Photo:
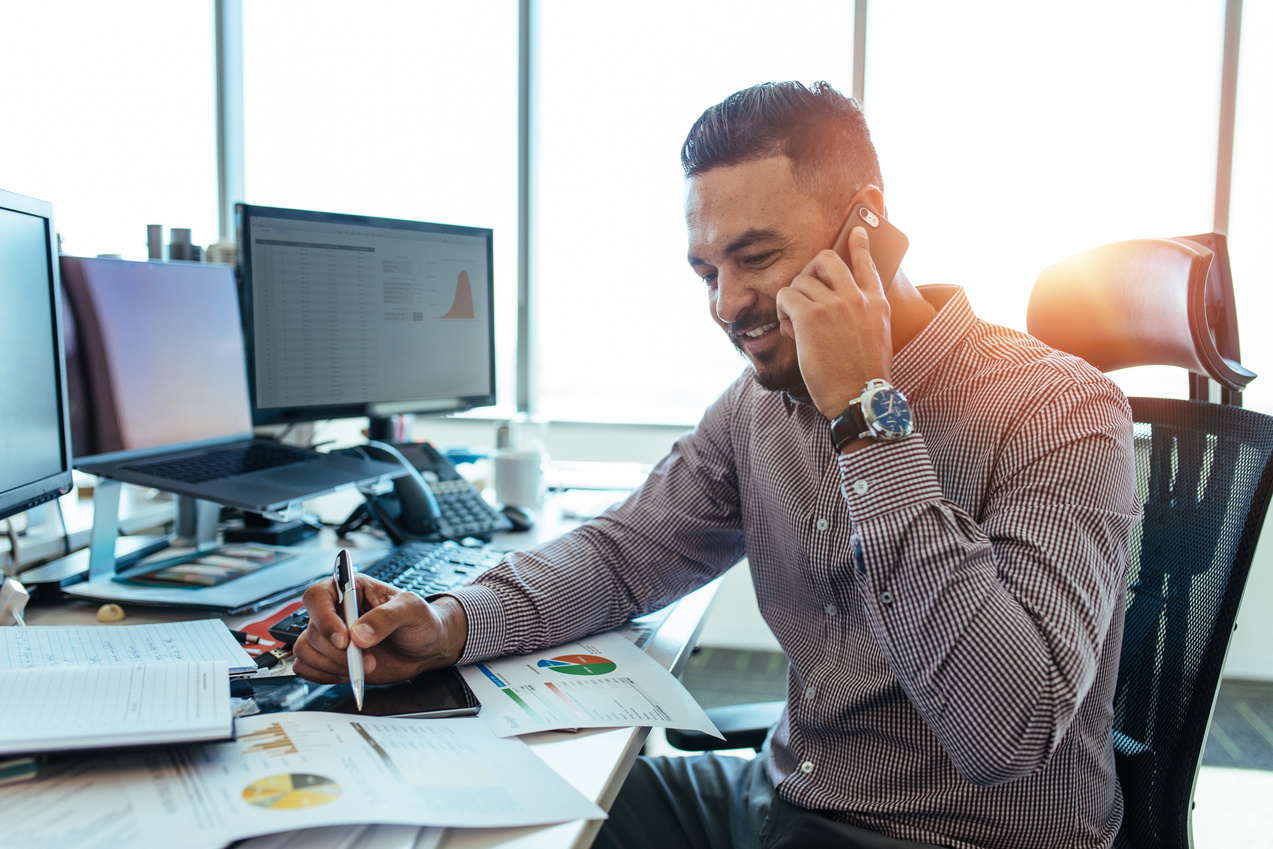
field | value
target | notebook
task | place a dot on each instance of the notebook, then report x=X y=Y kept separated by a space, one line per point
x=159 y=390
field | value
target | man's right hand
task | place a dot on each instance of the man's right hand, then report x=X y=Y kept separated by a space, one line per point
x=400 y=633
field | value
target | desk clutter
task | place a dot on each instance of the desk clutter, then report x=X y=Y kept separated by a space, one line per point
x=184 y=378
x=91 y=712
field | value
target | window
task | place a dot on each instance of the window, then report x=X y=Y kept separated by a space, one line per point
x=623 y=328
x=1250 y=215
x=400 y=110
x=109 y=112
x=1026 y=132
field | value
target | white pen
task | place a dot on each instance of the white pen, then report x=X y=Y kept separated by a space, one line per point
x=347 y=595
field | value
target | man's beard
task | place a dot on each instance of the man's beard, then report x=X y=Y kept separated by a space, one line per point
x=774 y=377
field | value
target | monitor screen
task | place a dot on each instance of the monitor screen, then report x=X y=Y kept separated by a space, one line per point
x=155 y=356
x=35 y=456
x=346 y=315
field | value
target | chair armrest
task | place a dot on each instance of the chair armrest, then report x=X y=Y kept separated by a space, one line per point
x=744 y=726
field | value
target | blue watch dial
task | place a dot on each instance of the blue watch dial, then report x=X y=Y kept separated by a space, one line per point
x=890 y=414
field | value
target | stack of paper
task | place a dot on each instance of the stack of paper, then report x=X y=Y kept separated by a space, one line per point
x=89 y=687
x=291 y=771
x=54 y=709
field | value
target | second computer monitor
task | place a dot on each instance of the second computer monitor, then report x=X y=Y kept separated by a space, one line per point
x=35 y=450
x=346 y=315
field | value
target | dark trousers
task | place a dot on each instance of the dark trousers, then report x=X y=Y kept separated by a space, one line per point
x=713 y=802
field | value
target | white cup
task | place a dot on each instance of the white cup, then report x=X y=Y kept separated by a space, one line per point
x=519 y=478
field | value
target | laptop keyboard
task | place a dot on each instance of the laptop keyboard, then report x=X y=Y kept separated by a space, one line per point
x=421 y=567
x=222 y=463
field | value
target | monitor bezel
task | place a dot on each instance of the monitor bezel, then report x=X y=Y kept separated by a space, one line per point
x=27 y=495
x=243 y=213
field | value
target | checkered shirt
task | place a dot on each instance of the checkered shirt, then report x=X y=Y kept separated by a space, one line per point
x=951 y=604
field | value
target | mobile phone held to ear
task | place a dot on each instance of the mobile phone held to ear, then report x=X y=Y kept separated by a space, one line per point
x=888 y=244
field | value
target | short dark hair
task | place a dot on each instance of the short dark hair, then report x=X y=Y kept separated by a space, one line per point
x=823 y=133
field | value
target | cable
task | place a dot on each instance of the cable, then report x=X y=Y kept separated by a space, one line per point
x=66 y=534
x=14 y=559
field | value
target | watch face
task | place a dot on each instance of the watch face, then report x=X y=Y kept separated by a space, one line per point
x=890 y=415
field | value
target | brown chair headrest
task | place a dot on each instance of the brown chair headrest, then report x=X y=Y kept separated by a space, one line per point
x=1135 y=303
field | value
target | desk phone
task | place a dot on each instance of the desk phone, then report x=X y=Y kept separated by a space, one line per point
x=434 y=503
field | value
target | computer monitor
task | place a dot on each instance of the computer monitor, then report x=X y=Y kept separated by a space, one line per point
x=35 y=437
x=348 y=316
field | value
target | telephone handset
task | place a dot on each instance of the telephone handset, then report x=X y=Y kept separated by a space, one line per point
x=888 y=244
x=413 y=512
x=432 y=502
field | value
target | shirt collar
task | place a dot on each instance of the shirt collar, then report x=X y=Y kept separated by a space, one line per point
x=913 y=365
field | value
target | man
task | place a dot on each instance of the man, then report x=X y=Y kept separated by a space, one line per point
x=950 y=601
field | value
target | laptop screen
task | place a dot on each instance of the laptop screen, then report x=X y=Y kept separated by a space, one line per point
x=158 y=356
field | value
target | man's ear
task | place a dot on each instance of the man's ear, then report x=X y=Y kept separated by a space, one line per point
x=870 y=195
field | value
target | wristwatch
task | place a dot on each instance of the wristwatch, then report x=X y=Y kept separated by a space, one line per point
x=880 y=412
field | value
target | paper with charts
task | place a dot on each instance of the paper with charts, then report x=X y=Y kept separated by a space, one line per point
x=288 y=771
x=598 y=682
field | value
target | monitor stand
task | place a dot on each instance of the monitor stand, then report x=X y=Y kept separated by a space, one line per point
x=108 y=552
x=53 y=576
x=279 y=574
x=254 y=527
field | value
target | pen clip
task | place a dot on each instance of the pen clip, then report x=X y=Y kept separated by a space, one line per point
x=343 y=573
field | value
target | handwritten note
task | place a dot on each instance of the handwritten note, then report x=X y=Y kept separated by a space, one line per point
x=56 y=708
x=37 y=647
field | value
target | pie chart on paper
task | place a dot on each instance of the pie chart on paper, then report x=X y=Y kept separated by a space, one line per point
x=290 y=791
x=579 y=664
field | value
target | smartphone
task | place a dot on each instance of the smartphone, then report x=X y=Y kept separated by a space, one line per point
x=888 y=244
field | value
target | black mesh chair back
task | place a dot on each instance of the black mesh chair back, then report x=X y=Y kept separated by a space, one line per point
x=1204 y=472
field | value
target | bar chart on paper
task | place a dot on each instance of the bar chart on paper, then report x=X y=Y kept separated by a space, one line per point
x=604 y=682
x=271 y=740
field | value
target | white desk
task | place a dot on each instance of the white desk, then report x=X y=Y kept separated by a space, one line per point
x=596 y=762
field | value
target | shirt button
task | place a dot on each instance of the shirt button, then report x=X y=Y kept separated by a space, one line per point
x=810 y=692
x=831 y=610
x=823 y=524
x=861 y=487
x=886 y=597
x=806 y=767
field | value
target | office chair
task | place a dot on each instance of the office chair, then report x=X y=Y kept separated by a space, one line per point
x=1204 y=472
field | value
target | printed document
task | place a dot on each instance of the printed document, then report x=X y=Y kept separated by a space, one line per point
x=290 y=771
x=99 y=645
x=598 y=682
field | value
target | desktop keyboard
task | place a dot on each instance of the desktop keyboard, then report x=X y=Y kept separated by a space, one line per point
x=226 y=462
x=421 y=567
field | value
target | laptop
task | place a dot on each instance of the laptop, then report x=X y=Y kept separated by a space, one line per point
x=159 y=386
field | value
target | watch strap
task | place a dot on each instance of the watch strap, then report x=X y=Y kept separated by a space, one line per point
x=849 y=425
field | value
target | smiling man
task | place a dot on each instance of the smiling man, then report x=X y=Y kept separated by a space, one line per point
x=935 y=513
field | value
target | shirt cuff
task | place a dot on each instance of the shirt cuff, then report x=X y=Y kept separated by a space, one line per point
x=485 y=623
x=886 y=476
